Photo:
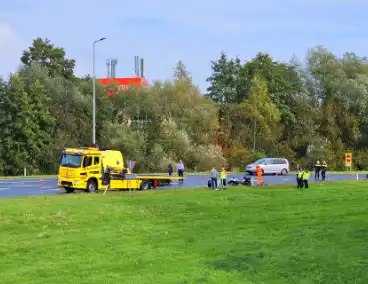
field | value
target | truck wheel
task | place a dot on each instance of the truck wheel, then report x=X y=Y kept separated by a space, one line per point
x=91 y=186
x=145 y=185
x=69 y=189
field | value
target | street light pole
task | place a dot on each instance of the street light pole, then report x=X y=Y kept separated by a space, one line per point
x=94 y=94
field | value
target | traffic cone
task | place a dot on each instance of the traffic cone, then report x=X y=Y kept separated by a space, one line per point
x=41 y=181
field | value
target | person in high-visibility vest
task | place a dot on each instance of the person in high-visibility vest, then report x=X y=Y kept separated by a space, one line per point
x=259 y=175
x=223 y=176
x=305 y=177
x=324 y=170
x=299 y=178
x=317 y=168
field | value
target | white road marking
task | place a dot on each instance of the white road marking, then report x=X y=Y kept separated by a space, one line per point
x=4 y=188
x=24 y=181
x=51 y=189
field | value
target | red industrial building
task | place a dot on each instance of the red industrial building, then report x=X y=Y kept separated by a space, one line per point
x=124 y=83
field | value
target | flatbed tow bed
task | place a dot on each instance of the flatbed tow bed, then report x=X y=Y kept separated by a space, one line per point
x=154 y=181
x=148 y=181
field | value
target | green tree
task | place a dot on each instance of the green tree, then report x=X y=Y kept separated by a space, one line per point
x=17 y=125
x=27 y=122
x=53 y=58
x=3 y=94
x=262 y=107
x=40 y=152
x=262 y=113
x=341 y=100
x=283 y=83
x=181 y=73
x=168 y=121
x=225 y=86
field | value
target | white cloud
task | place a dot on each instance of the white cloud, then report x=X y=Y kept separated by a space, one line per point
x=11 y=47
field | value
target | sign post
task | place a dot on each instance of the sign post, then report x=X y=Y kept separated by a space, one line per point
x=348 y=160
x=131 y=164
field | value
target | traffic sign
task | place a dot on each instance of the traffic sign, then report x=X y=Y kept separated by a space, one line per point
x=348 y=160
x=131 y=164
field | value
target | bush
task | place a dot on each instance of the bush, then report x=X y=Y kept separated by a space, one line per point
x=360 y=160
x=204 y=157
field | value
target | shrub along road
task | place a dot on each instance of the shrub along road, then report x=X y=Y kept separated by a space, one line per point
x=32 y=187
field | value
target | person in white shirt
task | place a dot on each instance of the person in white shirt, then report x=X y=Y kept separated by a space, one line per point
x=180 y=168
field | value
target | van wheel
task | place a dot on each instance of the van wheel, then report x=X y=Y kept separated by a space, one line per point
x=145 y=185
x=91 y=186
x=69 y=189
x=284 y=172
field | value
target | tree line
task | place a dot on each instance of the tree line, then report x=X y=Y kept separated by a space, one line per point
x=301 y=110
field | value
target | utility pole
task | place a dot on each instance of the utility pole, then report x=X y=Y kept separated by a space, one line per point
x=94 y=94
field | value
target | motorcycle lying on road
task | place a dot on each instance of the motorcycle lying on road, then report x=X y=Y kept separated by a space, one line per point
x=247 y=181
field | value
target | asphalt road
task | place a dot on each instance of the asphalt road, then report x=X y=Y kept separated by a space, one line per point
x=32 y=186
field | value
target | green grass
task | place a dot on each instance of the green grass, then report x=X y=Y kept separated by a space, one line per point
x=187 y=173
x=31 y=176
x=55 y=176
x=243 y=235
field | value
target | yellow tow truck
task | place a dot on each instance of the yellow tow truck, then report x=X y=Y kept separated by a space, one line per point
x=83 y=169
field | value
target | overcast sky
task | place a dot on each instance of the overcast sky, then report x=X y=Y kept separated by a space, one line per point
x=164 y=31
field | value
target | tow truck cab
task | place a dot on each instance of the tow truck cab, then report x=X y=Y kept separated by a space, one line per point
x=83 y=169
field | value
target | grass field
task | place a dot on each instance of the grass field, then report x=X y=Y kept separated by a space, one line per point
x=242 y=235
x=187 y=173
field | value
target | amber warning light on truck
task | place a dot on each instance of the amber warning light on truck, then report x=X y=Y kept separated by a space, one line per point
x=114 y=85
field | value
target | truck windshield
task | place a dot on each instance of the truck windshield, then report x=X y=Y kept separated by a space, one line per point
x=68 y=160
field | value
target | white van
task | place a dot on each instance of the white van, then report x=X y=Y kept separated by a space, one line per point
x=270 y=166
